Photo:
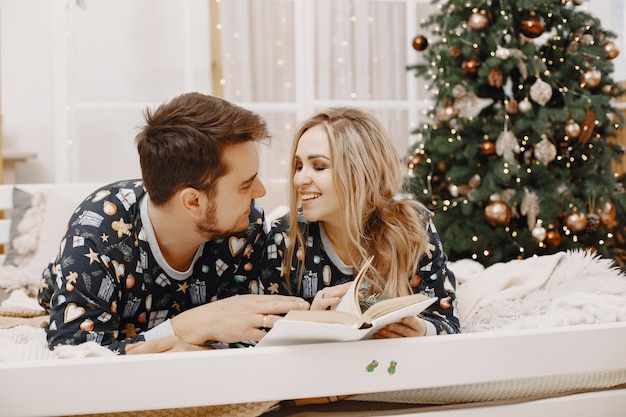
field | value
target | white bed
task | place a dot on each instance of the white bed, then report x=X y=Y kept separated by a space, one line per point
x=544 y=336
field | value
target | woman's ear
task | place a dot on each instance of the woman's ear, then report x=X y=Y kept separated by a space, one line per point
x=191 y=200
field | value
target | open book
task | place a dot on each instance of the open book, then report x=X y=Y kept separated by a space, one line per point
x=346 y=322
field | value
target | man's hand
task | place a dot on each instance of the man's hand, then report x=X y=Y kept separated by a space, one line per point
x=408 y=327
x=164 y=344
x=233 y=319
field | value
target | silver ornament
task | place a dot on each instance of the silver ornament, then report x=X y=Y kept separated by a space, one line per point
x=503 y=53
x=541 y=92
x=525 y=105
x=545 y=151
x=539 y=233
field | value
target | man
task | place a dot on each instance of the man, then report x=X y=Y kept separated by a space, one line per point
x=157 y=260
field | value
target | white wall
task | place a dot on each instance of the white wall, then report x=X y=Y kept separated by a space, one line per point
x=87 y=73
x=75 y=80
x=26 y=55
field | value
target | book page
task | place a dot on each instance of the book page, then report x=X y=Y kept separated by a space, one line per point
x=396 y=315
x=350 y=301
x=390 y=304
x=324 y=316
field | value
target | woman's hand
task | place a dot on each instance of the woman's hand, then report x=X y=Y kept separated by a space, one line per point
x=408 y=327
x=329 y=297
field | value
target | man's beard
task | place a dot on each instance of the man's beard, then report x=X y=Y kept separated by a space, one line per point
x=208 y=229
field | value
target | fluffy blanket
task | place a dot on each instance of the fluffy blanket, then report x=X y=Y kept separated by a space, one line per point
x=566 y=288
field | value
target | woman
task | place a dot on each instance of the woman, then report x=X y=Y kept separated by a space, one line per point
x=345 y=174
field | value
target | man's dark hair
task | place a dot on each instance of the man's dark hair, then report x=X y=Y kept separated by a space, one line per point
x=182 y=143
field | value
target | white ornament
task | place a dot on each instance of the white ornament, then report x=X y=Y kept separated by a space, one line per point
x=507 y=146
x=525 y=105
x=541 y=92
x=458 y=91
x=529 y=207
x=470 y=106
x=503 y=53
x=545 y=151
x=539 y=233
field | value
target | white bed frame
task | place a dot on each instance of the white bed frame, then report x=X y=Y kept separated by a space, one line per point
x=175 y=380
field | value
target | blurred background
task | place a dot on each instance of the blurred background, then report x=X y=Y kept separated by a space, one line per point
x=76 y=75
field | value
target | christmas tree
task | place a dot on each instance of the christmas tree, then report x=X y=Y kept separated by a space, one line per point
x=517 y=156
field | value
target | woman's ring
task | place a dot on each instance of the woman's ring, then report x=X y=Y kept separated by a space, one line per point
x=264 y=322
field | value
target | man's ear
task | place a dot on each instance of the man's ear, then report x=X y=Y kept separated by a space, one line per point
x=191 y=201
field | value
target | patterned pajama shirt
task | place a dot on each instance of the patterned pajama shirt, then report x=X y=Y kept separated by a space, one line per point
x=323 y=268
x=110 y=282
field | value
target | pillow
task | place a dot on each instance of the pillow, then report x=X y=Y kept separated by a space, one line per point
x=22 y=201
x=56 y=214
x=37 y=242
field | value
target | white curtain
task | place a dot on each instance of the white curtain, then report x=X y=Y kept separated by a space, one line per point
x=287 y=59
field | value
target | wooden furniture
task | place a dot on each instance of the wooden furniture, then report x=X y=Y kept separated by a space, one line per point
x=9 y=161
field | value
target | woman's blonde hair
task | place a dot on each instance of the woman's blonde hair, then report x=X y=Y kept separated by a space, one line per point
x=367 y=172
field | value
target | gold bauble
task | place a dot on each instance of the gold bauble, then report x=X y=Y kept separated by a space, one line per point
x=608 y=214
x=497 y=213
x=487 y=147
x=448 y=112
x=478 y=21
x=554 y=238
x=572 y=129
x=470 y=67
x=533 y=25
x=420 y=43
x=611 y=49
x=591 y=78
x=455 y=51
x=609 y=89
x=576 y=222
